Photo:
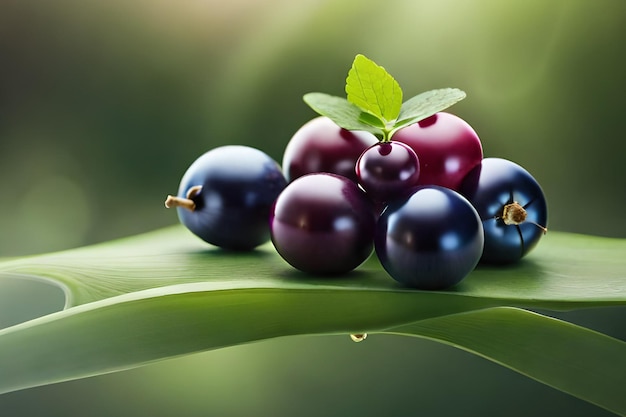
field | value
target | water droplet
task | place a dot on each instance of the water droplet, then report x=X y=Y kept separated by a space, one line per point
x=359 y=337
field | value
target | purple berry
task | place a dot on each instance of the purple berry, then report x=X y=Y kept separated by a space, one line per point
x=324 y=224
x=387 y=170
x=447 y=146
x=322 y=146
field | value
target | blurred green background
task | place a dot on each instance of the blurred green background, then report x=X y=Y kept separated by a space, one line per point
x=103 y=105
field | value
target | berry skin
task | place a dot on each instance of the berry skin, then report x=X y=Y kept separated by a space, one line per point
x=512 y=207
x=324 y=224
x=430 y=240
x=322 y=146
x=447 y=146
x=225 y=196
x=387 y=170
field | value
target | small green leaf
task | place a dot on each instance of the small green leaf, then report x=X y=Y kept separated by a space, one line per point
x=426 y=104
x=342 y=112
x=373 y=89
x=374 y=102
x=371 y=120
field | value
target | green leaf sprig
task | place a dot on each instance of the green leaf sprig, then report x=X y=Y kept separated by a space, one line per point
x=374 y=101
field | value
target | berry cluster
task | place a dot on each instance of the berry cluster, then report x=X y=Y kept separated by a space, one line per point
x=437 y=208
x=406 y=180
x=427 y=201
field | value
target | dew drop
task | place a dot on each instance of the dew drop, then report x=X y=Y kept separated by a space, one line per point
x=359 y=337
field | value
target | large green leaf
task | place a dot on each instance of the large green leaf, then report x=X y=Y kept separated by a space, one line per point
x=564 y=271
x=576 y=360
x=165 y=294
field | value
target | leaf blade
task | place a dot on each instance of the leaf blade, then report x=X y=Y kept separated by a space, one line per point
x=564 y=271
x=370 y=87
x=165 y=294
x=572 y=359
x=139 y=328
x=149 y=327
x=426 y=104
x=345 y=114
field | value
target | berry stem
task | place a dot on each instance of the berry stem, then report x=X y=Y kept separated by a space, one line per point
x=173 y=201
x=386 y=135
x=184 y=202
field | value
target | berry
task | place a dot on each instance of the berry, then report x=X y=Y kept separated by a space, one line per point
x=323 y=223
x=386 y=170
x=225 y=196
x=447 y=146
x=322 y=146
x=512 y=207
x=430 y=240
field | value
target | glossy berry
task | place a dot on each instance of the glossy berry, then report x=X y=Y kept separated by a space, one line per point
x=225 y=196
x=387 y=170
x=323 y=223
x=447 y=146
x=322 y=146
x=512 y=207
x=430 y=240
